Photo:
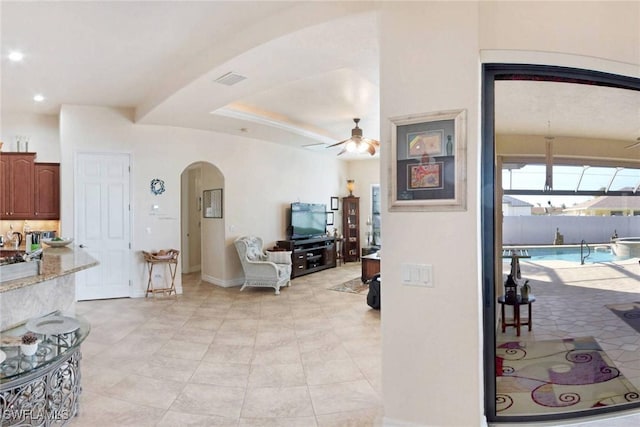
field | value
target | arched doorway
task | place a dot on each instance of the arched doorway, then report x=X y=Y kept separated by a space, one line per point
x=201 y=238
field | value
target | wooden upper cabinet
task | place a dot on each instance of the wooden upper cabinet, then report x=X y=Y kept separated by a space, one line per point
x=46 y=191
x=4 y=186
x=28 y=190
x=17 y=185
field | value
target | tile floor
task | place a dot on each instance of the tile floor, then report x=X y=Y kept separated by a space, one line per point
x=571 y=301
x=221 y=357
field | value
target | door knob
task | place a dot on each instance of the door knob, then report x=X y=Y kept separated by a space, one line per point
x=82 y=246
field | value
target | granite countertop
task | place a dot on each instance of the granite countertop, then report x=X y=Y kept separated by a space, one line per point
x=56 y=262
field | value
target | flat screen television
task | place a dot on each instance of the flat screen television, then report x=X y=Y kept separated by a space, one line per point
x=307 y=220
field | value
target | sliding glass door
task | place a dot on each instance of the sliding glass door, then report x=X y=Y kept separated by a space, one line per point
x=560 y=167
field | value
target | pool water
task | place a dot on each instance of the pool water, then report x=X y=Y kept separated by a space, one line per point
x=570 y=254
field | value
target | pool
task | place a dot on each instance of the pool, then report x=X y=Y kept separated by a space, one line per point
x=599 y=253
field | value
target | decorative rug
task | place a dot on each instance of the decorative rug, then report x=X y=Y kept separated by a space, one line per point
x=354 y=286
x=553 y=376
x=629 y=312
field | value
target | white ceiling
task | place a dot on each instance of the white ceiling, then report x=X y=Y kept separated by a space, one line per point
x=567 y=109
x=310 y=67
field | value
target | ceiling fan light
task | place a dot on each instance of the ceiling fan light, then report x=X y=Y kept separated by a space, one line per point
x=351 y=146
x=362 y=147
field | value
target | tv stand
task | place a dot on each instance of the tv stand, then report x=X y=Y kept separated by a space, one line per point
x=310 y=255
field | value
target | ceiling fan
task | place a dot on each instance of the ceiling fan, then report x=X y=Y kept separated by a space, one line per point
x=358 y=144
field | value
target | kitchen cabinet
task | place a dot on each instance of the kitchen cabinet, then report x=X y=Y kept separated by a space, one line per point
x=46 y=191
x=17 y=180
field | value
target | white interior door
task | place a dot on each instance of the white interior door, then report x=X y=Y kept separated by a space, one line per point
x=103 y=224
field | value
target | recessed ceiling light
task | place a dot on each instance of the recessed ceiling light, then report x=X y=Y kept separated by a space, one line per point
x=16 y=56
x=38 y=98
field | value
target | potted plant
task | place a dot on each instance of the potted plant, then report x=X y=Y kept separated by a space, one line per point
x=29 y=344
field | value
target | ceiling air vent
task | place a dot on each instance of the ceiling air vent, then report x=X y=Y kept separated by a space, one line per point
x=230 y=79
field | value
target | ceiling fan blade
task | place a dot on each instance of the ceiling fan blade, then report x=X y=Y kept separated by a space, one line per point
x=371 y=149
x=338 y=143
x=344 y=150
x=634 y=145
x=372 y=142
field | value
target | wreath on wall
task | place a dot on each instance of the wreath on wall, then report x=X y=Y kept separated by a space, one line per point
x=157 y=186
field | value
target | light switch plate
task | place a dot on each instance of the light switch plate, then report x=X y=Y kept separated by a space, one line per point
x=417 y=275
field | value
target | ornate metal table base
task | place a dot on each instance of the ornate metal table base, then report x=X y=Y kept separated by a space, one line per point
x=48 y=396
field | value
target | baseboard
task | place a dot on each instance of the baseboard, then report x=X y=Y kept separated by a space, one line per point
x=191 y=269
x=390 y=422
x=221 y=282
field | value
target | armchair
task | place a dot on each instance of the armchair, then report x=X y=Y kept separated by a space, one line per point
x=271 y=270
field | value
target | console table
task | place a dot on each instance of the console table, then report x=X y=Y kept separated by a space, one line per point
x=370 y=266
x=310 y=255
x=43 y=389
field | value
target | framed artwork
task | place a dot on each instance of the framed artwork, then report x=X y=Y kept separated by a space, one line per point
x=426 y=142
x=428 y=162
x=329 y=218
x=212 y=203
x=334 y=203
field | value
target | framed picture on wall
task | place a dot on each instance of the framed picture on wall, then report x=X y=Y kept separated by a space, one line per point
x=212 y=203
x=329 y=218
x=428 y=162
x=334 y=203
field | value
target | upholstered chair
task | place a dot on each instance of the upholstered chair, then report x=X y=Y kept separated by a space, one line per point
x=271 y=269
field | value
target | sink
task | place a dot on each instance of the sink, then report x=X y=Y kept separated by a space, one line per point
x=19 y=270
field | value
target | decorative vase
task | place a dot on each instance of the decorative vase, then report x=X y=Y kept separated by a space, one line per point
x=449 y=146
x=526 y=290
x=29 y=349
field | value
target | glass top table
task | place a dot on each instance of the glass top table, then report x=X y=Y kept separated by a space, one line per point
x=51 y=348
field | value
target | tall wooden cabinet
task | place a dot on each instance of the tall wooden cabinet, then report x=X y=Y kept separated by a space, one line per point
x=351 y=228
x=17 y=177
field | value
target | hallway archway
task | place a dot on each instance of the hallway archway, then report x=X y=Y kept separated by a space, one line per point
x=202 y=239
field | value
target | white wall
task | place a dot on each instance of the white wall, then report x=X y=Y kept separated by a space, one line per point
x=260 y=179
x=42 y=130
x=430 y=61
x=213 y=234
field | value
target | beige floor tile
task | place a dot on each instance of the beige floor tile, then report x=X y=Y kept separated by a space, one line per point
x=371 y=417
x=245 y=366
x=277 y=375
x=343 y=397
x=229 y=353
x=332 y=371
x=174 y=419
x=276 y=353
x=222 y=374
x=278 y=422
x=160 y=367
x=182 y=348
x=203 y=399
x=104 y=411
x=277 y=402
x=328 y=351
x=146 y=391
